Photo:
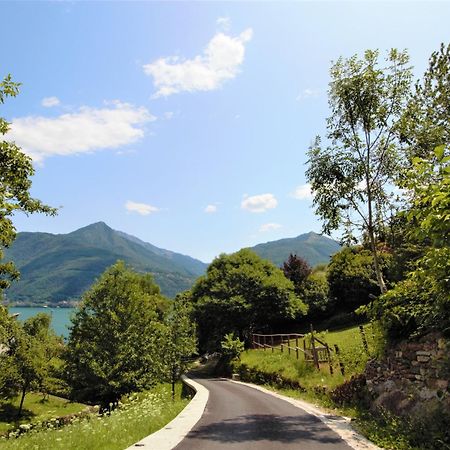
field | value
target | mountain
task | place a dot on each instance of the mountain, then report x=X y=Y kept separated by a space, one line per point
x=58 y=268
x=312 y=247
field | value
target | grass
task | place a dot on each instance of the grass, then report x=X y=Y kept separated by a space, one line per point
x=35 y=409
x=139 y=416
x=352 y=355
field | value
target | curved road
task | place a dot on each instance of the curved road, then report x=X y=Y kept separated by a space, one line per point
x=239 y=417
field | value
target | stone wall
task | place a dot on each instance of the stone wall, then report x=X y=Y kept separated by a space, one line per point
x=413 y=376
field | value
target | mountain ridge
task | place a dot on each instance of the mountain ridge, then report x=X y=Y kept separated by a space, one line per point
x=57 y=268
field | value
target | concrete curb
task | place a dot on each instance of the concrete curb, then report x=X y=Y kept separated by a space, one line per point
x=175 y=431
x=340 y=425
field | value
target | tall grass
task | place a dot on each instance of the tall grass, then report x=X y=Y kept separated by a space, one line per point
x=139 y=416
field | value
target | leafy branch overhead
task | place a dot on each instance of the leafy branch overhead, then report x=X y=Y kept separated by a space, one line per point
x=16 y=169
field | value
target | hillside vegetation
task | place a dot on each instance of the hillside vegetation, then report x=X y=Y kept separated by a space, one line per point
x=59 y=268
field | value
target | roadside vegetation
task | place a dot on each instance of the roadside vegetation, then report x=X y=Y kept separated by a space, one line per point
x=140 y=415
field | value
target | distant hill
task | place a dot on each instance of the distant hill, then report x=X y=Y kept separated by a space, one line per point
x=312 y=247
x=59 y=268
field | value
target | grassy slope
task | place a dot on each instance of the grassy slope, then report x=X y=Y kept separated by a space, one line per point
x=35 y=409
x=352 y=355
x=139 y=417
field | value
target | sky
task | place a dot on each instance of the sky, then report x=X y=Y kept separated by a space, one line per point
x=187 y=124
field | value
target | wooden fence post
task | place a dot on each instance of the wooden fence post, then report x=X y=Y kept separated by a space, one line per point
x=313 y=346
x=296 y=345
x=264 y=342
x=329 y=359
x=341 y=365
x=289 y=344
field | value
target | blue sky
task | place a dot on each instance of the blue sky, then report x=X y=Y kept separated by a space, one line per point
x=187 y=124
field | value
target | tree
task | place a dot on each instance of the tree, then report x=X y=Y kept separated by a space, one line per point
x=9 y=330
x=351 y=277
x=26 y=353
x=117 y=339
x=297 y=270
x=316 y=295
x=181 y=342
x=240 y=293
x=425 y=124
x=16 y=168
x=351 y=177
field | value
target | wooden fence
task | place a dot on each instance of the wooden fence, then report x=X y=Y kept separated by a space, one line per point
x=314 y=351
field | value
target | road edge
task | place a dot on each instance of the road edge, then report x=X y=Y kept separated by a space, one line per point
x=339 y=424
x=176 y=430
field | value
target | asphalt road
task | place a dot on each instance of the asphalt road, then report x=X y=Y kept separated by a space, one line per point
x=239 y=417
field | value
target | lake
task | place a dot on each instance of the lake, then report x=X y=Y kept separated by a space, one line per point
x=60 y=316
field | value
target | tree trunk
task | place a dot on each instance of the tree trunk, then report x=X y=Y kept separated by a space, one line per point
x=373 y=244
x=24 y=391
x=376 y=262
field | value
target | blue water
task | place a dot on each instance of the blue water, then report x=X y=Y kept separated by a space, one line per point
x=60 y=317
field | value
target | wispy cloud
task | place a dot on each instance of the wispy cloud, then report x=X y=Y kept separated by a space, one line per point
x=259 y=203
x=302 y=192
x=210 y=209
x=141 y=208
x=224 y=23
x=85 y=131
x=269 y=227
x=308 y=93
x=48 y=102
x=220 y=61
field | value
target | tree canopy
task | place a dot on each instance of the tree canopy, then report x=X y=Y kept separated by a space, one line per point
x=241 y=293
x=117 y=339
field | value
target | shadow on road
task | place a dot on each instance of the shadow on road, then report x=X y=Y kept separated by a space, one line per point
x=259 y=427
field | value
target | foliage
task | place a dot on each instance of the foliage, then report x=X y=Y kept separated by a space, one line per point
x=297 y=270
x=425 y=124
x=180 y=342
x=352 y=279
x=16 y=168
x=351 y=177
x=231 y=346
x=316 y=295
x=239 y=293
x=421 y=302
x=139 y=415
x=27 y=352
x=117 y=338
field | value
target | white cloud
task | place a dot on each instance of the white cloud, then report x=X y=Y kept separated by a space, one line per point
x=224 y=23
x=219 y=62
x=85 y=131
x=302 y=192
x=259 y=203
x=48 y=102
x=141 y=208
x=169 y=115
x=211 y=209
x=269 y=227
x=308 y=93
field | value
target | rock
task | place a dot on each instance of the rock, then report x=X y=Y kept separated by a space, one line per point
x=427 y=394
